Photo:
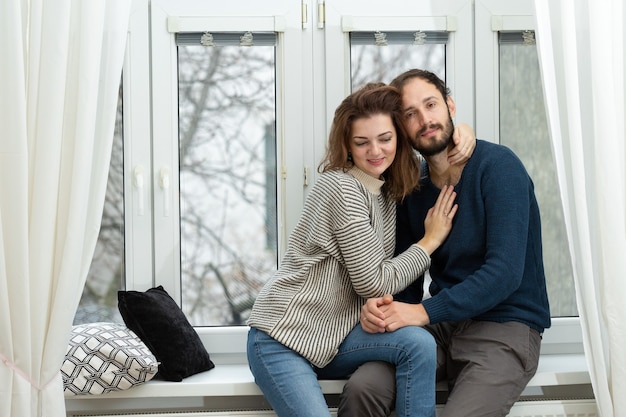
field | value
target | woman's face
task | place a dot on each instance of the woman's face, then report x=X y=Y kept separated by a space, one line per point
x=373 y=144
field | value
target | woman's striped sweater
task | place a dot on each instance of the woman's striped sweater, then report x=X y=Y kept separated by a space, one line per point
x=339 y=254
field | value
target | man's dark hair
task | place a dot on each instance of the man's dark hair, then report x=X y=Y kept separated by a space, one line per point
x=428 y=76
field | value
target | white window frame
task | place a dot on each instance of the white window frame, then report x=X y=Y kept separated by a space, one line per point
x=137 y=136
x=492 y=16
x=168 y=17
x=344 y=16
x=312 y=35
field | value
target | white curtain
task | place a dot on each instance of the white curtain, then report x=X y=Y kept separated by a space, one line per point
x=582 y=48
x=59 y=77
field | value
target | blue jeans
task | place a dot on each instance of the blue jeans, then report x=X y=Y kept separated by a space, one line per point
x=289 y=381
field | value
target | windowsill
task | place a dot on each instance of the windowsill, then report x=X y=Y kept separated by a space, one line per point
x=237 y=380
x=562 y=363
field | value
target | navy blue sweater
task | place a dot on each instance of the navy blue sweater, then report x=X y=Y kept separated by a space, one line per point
x=490 y=267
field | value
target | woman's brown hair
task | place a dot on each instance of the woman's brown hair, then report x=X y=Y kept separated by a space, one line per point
x=403 y=174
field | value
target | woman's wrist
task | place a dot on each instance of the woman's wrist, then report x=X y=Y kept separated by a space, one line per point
x=428 y=244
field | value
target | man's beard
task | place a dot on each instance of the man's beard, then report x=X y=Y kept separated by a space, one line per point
x=439 y=145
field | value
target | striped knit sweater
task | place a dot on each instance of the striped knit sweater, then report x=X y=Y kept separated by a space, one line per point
x=339 y=254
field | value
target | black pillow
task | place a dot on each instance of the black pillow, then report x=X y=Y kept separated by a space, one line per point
x=158 y=321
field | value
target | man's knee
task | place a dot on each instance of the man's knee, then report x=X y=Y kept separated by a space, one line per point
x=370 y=391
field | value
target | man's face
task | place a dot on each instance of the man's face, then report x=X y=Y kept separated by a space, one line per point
x=427 y=116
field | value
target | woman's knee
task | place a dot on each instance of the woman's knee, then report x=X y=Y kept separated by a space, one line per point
x=418 y=342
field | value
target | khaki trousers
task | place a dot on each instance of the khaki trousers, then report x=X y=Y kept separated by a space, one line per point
x=487 y=366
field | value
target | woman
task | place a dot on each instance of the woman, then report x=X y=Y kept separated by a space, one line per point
x=304 y=324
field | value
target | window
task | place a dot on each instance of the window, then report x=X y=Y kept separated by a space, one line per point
x=524 y=129
x=227 y=172
x=106 y=273
x=227 y=108
x=226 y=149
x=379 y=40
x=380 y=56
x=510 y=110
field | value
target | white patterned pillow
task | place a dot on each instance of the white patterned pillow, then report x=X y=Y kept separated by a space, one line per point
x=104 y=357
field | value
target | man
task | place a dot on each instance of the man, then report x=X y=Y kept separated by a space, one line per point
x=488 y=305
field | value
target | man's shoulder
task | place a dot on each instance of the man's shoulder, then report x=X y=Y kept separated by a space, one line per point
x=488 y=148
x=495 y=154
x=498 y=164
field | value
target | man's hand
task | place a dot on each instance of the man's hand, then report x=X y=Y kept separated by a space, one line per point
x=379 y=315
x=398 y=314
x=465 y=141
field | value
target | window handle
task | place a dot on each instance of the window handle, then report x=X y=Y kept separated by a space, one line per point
x=164 y=182
x=139 y=185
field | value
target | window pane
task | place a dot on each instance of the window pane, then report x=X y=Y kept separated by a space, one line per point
x=371 y=59
x=106 y=273
x=227 y=143
x=524 y=129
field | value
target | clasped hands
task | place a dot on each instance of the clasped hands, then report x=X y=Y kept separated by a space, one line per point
x=383 y=314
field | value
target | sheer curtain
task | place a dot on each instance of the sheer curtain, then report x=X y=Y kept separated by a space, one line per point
x=59 y=77
x=582 y=50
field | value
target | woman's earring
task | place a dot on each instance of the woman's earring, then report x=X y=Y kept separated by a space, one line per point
x=349 y=157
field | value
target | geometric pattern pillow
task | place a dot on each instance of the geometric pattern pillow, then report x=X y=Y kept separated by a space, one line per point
x=104 y=357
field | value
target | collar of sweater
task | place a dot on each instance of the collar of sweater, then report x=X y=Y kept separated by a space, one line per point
x=373 y=185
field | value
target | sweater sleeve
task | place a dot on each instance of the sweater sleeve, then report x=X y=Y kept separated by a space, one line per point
x=364 y=242
x=504 y=189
